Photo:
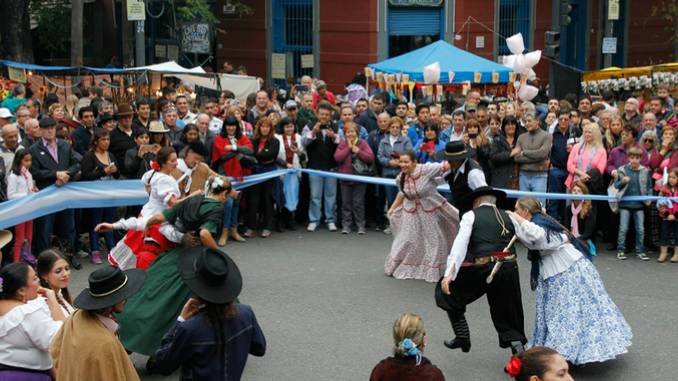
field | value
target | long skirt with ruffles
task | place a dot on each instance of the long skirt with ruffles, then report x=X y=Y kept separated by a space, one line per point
x=576 y=317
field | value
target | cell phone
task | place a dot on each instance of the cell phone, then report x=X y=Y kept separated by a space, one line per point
x=148 y=147
x=302 y=88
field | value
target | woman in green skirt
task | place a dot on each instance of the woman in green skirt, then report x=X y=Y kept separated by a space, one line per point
x=151 y=311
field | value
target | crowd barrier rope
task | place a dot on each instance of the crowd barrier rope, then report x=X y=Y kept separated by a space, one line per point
x=114 y=193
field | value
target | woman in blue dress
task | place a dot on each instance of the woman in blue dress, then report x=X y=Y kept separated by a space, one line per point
x=574 y=313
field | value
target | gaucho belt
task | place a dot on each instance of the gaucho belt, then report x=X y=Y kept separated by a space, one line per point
x=491 y=258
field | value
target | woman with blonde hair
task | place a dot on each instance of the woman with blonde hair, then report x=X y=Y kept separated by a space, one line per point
x=587 y=155
x=408 y=362
x=56 y=111
x=71 y=104
x=613 y=134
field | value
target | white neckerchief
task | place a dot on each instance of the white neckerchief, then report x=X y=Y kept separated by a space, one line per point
x=187 y=174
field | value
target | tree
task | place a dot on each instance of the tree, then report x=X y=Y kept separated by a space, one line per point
x=15 y=31
x=54 y=26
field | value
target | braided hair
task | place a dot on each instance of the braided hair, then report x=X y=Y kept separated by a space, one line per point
x=403 y=176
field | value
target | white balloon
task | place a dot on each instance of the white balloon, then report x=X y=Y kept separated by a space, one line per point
x=516 y=85
x=527 y=93
x=519 y=64
x=432 y=73
x=515 y=44
x=532 y=58
x=508 y=61
x=531 y=75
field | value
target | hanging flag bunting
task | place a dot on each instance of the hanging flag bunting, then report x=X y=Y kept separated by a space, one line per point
x=477 y=77
x=450 y=76
x=495 y=77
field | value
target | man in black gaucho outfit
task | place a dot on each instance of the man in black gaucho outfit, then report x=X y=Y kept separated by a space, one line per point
x=483 y=261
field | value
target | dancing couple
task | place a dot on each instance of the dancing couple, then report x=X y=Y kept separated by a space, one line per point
x=574 y=313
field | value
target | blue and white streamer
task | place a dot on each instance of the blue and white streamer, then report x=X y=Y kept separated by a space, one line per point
x=99 y=194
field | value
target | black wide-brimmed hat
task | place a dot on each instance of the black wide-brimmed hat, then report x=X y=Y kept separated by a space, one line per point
x=455 y=150
x=211 y=275
x=488 y=191
x=109 y=286
x=105 y=117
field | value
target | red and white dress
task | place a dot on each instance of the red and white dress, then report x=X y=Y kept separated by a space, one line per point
x=424 y=228
x=134 y=251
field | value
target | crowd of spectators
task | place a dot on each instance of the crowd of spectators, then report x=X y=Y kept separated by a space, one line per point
x=571 y=145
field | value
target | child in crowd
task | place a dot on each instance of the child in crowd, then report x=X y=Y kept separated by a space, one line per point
x=408 y=362
x=538 y=364
x=20 y=184
x=581 y=214
x=668 y=211
x=637 y=181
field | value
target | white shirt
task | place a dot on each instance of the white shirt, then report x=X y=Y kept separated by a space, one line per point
x=163 y=187
x=460 y=245
x=557 y=254
x=454 y=137
x=26 y=333
x=18 y=186
x=188 y=118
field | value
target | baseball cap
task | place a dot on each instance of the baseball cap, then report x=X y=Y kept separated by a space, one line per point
x=290 y=104
x=4 y=113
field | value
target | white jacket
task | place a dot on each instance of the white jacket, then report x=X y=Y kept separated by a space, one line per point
x=18 y=186
x=296 y=161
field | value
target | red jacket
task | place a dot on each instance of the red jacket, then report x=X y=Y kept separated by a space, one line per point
x=656 y=160
x=231 y=166
x=405 y=369
x=329 y=96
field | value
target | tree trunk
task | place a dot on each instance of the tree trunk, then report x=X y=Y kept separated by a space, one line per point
x=15 y=31
x=77 y=9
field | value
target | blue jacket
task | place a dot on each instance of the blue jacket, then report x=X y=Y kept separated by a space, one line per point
x=423 y=157
x=386 y=150
x=191 y=345
x=415 y=133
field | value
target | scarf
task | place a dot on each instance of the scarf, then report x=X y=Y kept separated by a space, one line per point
x=187 y=174
x=575 y=218
x=553 y=229
x=580 y=157
x=29 y=179
x=289 y=154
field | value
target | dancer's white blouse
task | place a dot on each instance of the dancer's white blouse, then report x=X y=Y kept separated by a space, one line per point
x=163 y=187
x=557 y=255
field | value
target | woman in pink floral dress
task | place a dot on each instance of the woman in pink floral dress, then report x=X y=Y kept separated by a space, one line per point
x=424 y=224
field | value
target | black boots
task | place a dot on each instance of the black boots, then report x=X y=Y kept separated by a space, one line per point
x=461 y=331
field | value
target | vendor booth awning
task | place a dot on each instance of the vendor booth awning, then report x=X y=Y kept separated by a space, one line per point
x=616 y=72
x=240 y=85
x=462 y=64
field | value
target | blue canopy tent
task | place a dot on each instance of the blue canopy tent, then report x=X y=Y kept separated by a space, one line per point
x=451 y=59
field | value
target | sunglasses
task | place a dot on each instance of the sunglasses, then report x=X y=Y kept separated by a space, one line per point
x=648 y=140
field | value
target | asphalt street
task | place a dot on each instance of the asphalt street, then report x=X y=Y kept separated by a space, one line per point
x=327 y=311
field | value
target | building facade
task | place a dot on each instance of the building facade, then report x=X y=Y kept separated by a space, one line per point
x=335 y=40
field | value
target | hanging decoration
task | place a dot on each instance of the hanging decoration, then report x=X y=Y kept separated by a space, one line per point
x=522 y=64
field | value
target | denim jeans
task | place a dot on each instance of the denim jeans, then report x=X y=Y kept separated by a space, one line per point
x=45 y=226
x=231 y=209
x=323 y=191
x=556 y=184
x=638 y=220
x=533 y=183
x=101 y=215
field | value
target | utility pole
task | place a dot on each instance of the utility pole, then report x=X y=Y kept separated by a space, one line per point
x=77 y=8
x=139 y=43
x=555 y=26
x=609 y=26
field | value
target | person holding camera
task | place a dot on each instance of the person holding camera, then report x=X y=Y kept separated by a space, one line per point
x=320 y=142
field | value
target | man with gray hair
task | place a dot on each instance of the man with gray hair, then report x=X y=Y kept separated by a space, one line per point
x=532 y=155
x=32 y=132
x=202 y=120
x=482 y=261
x=631 y=115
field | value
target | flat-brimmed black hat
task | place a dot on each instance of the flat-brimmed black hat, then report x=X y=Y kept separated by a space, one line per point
x=488 y=191
x=47 y=122
x=211 y=275
x=105 y=117
x=455 y=150
x=109 y=286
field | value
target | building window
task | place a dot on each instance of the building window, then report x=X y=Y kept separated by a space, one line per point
x=293 y=34
x=515 y=16
x=411 y=28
